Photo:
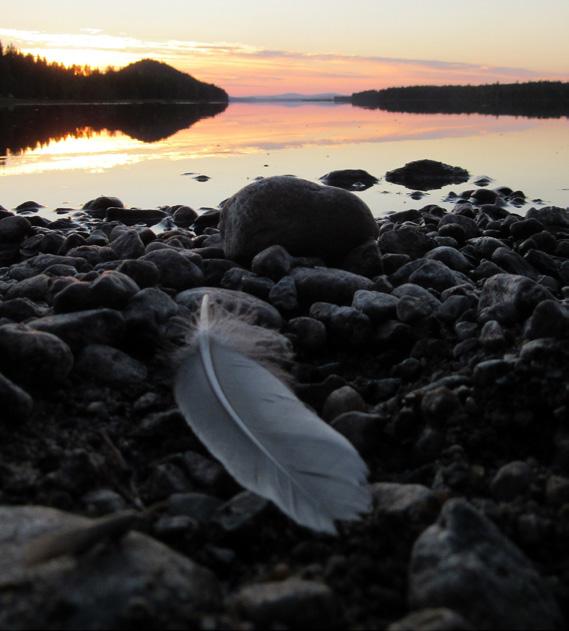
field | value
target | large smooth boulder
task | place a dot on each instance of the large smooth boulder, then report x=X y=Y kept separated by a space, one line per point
x=305 y=218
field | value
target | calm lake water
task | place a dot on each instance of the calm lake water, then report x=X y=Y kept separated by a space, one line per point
x=62 y=156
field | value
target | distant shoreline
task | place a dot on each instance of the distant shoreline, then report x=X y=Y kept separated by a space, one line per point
x=6 y=102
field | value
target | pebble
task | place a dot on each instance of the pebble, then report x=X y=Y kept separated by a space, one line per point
x=345 y=399
x=16 y=403
x=328 y=284
x=510 y=481
x=110 y=366
x=293 y=602
x=413 y=503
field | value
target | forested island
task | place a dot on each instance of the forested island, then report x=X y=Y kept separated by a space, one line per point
x=27 y=77
x=536 y=98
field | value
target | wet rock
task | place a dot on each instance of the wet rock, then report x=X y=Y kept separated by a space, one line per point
x=273 y=262
x=207 y=219
x=16 y=403
x=409 y=502
x=453 y=308
x=364 y=259
x=451 y=257
x=295 y=603
x=113 y=290
x=310 y=334
x=135 y=578
x=557 y=490
x=525 y=228
x=128 y=245
x=20 y=309
x=109 y=366
x=95 y=326
x=432 y=620
x=492 y=336
x=509 y=298
x=425 y=175
x=410 y=289
x=436 y=275
x=439 y=404
x=143 y=273
x=134 y=216
x=328 y=284
x=32 y=356
x=464 y=563
x=102 y=203
x=176 y=270
x=14 y=229
x=303 y=217
x=151 y=304
x=361 y=429
x=488 y=371
x=513 y=263
x=406 y=240
x=350 y=179
x=511 y=480
x=342 y=400
x=377 y=306
x=551 y=217
x=284 y=295
x=240 y=513
x=411 y=309
x=549 y=319
x=262 y=312
x=468 y=225
x=35 y=288
x=184 y=216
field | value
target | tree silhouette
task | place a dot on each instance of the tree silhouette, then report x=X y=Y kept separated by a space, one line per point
x=28 y=77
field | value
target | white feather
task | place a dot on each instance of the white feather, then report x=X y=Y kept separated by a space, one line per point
x=266 y=438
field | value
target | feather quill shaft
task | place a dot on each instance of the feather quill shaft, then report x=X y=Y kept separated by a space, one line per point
x=263 y=434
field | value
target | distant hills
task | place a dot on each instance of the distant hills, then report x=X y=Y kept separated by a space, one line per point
x=535 y=98
x=27 y=77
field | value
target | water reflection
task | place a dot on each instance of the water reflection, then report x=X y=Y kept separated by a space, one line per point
x=26 y=128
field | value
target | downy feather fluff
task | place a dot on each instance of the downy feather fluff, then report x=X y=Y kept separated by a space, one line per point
x=251 y=421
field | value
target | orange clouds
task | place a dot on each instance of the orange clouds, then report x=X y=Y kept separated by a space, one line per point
x=247 y=70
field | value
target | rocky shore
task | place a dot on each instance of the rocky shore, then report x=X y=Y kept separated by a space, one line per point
x=437 y=342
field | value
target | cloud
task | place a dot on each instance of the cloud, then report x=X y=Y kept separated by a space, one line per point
x=236 y=65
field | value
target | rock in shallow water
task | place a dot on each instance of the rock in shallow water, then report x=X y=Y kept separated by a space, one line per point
x=305 y=218
x=425 y=175
x=464 y=563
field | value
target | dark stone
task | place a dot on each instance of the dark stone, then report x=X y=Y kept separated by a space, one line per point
x=143 y=273
x=468 y=225
x=492 y=336
x=134 y=216
x=14 y=229
x=128 y=245
x=511 y=480
x=551 y=217
x=453 y=308
x=262 y=312
x=293 y=603
x=109 y=366
x=451 y=257
x=436 y=275
x=134 y=578
x=151 y=304
x=361 y=429
x=16 y=404
x=207 y=219
x=274 y=262
x=350 y=179
x=464 y=563
x=549 y=319
x=407 y=503
x=513 y=263
x=411 y=309
x=93 y=254
x=410 y=289
x=310 y=334
x=425 y=175
x=406 y=240
x=364 y=259
x=283 y=295
x=508 y=298
x=328 y=284
x=113 y=290
x=102 y=203
x=19 y=309
x=303 y=217
x=376 y=305
x=33 y=357
x=97 y=326
x=184 y=216
x=440 y=619
x=176 y=270
x=488 y=372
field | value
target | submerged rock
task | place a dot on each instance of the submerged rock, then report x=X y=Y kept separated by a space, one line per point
x=350 y=179
x=425 y=175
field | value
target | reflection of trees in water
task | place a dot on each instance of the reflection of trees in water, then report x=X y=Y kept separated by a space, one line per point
x=25 y=128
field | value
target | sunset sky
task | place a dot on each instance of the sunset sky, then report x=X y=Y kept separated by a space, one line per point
x=254 y=47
